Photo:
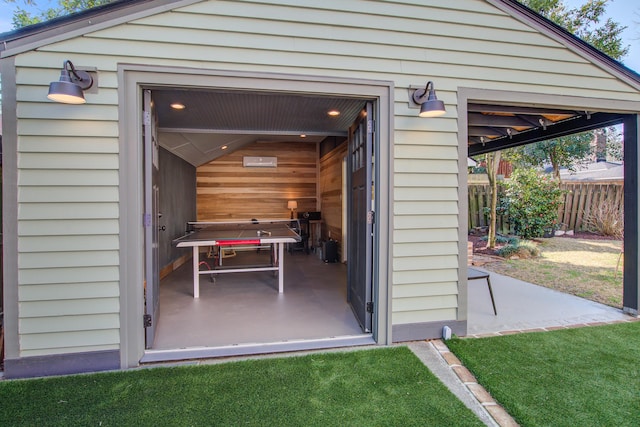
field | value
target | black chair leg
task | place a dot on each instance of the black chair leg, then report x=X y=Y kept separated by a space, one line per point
x=495 y=312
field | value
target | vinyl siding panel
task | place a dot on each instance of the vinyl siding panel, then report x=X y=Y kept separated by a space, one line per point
x=68 y=155
x=50 y=292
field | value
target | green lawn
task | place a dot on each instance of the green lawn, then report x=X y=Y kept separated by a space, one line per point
x=581 y=267
x=576 y=377
x=377 y=387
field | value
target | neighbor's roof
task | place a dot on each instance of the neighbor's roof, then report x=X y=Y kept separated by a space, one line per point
x=119 y=11
x=598 y=171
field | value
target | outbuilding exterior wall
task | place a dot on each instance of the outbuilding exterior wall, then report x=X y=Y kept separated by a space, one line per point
x=67 y=265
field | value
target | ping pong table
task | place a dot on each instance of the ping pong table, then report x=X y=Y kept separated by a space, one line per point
x=230 y=235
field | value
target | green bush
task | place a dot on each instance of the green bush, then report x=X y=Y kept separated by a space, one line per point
x=510 y=240
x=532 y=200
x=523 y=249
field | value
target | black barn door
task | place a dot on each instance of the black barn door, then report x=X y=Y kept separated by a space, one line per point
x=359 y=260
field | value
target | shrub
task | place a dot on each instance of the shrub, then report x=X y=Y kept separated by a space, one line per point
x=522 y=250
x=607 y=218
x=510 y=240
x=532 y=200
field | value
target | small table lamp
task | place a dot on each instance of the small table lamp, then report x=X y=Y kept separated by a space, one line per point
x=292 y=205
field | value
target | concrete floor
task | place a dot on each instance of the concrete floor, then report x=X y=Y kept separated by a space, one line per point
x=246 y=308
x=523 y=306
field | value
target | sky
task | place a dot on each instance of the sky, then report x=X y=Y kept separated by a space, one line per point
x=625 y=12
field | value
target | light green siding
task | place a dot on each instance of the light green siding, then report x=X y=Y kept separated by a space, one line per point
x=68 y=156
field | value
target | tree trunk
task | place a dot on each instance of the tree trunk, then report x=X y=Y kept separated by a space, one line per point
x=493 y=162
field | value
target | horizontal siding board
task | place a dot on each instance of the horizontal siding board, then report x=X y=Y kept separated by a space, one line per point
x=425 y=290
x=76 y=307
x=77 y=177
x=69 y=339
x=425 y=208
x=413 y=165
x=418 y=249
x=61 y=194
x=69 y=323
x=68 y=259
x=67 y=160
x=431 y=152
x=52 y=211
x=41 y=276
x=425 y=194
x=411 y=137
x=67 y=291
x=424 y=303
x=83 y=145
x=426 y=179
x=67 y=243
x=434 y=275
x=424 y=234
x=56 y=111
x=422 y=316
x=417 y=263
x=83 y=128
x=416 y=222
x=67 y=227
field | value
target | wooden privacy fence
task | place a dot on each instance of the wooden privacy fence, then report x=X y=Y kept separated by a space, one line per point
x=580 y=200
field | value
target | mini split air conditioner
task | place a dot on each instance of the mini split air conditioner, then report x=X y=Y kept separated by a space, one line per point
x=259 y=162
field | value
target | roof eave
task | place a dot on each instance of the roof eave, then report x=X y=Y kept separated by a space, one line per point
x=34 y=36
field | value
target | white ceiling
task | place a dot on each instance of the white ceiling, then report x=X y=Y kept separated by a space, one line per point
x=216 y=118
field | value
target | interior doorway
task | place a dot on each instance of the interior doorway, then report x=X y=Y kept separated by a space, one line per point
x=243 y=312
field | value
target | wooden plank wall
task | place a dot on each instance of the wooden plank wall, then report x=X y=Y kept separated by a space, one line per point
x=227 y=191
x=331 y=193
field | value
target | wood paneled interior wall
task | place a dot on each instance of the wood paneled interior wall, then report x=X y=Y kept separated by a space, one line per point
x=331 y=192
x=227 y=191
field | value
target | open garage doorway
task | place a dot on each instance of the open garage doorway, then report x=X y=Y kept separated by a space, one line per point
x=238 y=156
x=493 y=126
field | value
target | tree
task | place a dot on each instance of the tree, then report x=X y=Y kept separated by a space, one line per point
x=22 y=17
x=568 y=151
x=493 y=162
x=585 y=22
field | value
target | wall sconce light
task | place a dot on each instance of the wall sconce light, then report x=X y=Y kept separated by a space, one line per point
x=69 y=89
x=430 y=105
x=292 y=205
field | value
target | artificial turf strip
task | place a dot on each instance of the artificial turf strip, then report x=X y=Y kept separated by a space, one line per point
x=575 y=377
x=384 y=387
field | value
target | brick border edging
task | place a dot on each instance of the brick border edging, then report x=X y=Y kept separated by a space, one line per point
x=497 y=412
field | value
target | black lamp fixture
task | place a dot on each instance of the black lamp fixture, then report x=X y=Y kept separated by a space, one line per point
x=430 y=105
x=69 y=89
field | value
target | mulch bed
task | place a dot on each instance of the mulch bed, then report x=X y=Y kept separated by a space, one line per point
x=480 y=243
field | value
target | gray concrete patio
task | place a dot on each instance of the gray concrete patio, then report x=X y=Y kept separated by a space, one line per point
x=524 y=306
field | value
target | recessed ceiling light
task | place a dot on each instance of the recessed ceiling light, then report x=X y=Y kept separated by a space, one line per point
x=303 y=135
x=333 y=113
x=178 y=106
